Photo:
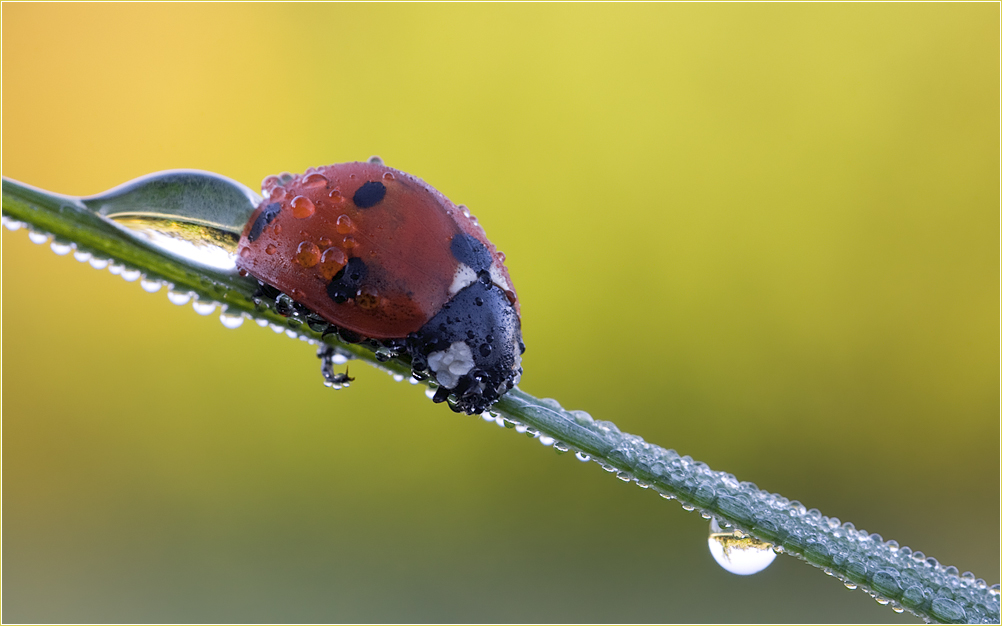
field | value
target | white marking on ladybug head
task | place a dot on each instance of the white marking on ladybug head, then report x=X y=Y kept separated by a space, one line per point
x=497 y=277
x=464 y=277
x=451 y=364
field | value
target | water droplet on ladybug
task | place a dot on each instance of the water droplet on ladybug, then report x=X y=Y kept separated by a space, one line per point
x=388 y=176
x=307 y=254
x=302 y=207
x=344 y=225
x=331 y=262
x=349 y=242
x=315 y=181
x=269 y=182
x=271 y=249
x=335 y=196
x=277 y=194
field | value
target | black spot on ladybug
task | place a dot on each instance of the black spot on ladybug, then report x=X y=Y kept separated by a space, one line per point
x=265 y=217
x=369 y=195
x=468 y=249
x=344 y=286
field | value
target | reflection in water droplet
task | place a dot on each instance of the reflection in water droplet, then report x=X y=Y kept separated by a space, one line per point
x=230 y=320
x=203 y=308
x=581 y=456
x=850 y=585
x=429 y=392
x=37 y=238
x=62 y=249
x=737 y=552
x=179 y=298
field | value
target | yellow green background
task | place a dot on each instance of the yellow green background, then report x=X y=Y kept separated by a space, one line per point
x=764 y=235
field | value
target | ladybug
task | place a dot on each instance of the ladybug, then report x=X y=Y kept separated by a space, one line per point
x=379 y=257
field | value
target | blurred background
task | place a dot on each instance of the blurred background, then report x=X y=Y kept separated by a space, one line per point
x=764 y=235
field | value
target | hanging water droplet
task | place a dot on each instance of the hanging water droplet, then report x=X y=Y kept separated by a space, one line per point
x=521 y=429
x=150 y=286
x=737 y=552
x=10 y=224
x=203 y=308
x=546 y=441
x=99 y=264
x=231 y=320
x=897 y=609
x=60 y=248
x=179 y=298
x=37 y=238
x=131 y=276
x=581 y=456
x=688 y=507
x=82 y=256
x=849 y=585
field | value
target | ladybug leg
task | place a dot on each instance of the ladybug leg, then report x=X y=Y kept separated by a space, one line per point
x=329 y=357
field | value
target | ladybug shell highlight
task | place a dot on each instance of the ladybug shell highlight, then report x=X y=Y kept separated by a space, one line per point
x=380 y=253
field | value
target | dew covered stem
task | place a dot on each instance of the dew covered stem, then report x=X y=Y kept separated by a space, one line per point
x=896 y=576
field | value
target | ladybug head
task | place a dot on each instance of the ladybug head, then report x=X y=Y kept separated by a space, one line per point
x=472 y=346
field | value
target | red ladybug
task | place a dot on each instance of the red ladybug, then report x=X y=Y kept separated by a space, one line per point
x=384 y=258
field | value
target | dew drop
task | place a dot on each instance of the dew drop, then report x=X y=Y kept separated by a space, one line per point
x=203 y=308
x=10 y=224
x=429 y=392
x=331 y=262
x=62 y=249
x=581 y=456
x=150 y=286
x=375 y=160
x=179 y=298
x=388 y=176
x=546 y=441
x=314 y=181
x=897 y=609
x=688 y=507
x=116 y=269
x=344 y=225
x=270 y=249
x=737 y=552
x=307 y=254
x=37 y=238
x=521 y=429
x=229 y=320
x=82 y=256
x=131 y=276
x=302 y=207
x=849 y=585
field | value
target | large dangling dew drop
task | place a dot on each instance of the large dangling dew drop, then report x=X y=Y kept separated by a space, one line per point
x=737 y=552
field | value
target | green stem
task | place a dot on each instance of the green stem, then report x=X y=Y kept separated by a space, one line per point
x=904 y=579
